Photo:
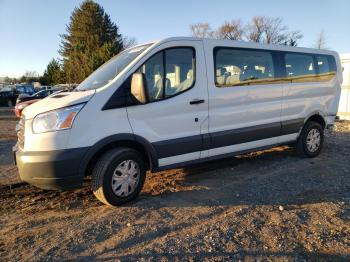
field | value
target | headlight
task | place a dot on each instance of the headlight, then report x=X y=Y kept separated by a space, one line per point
x=56 y=120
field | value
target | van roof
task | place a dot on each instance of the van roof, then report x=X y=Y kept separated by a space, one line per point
x=245 y=44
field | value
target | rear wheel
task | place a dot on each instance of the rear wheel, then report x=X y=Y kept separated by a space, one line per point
x=310 y=141
x=9 y=103
x=118 y=176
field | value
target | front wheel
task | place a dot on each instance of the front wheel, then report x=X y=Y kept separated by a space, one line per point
x=118 y=176
x=310 y=141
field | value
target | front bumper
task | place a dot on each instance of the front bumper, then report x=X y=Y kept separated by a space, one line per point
x=58 y=170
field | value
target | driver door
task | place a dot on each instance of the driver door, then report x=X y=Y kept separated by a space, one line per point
x=176 y=115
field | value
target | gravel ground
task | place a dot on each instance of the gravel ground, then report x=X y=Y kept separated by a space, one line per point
x=269 y=205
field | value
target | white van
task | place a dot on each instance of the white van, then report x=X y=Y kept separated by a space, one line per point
x=176 y=102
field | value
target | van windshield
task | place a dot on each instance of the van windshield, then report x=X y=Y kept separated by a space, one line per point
x=109 y=70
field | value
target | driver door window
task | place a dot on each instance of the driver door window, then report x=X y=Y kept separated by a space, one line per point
x=169 y=73
x=153 y=71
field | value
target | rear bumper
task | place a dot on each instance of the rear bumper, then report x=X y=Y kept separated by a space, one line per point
x=329 y=128
x=58 y=170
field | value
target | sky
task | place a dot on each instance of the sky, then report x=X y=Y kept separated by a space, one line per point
x=30 y=29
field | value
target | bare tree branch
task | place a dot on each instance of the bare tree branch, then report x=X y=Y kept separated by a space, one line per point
x=232 y=30
x=293 y=38
x=255 y=29
x=268 y=30
x=275 y=31
x=271 y=30
x=201 y=30
x=321 y=42
x=129 y=42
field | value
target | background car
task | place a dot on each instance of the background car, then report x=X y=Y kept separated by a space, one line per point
x=39 y=95
x=9 y=94
x=6 y=96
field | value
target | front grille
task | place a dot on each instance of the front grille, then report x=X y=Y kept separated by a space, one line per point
x=20 y=132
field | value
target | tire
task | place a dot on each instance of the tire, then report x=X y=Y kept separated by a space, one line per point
x=117 y=167
x=9 y=103
x=308 y=145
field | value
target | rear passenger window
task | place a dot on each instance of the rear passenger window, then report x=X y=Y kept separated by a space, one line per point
x=234 y=67
x=169 y=72
x=300 y=68
x=326 y=67
x=323 y=66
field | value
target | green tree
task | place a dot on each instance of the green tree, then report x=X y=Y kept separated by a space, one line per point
x=53 y=73
x=91 y=39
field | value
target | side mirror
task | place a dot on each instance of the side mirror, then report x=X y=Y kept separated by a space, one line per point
x=138 y=89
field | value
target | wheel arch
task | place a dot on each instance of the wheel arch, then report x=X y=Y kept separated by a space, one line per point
x=138 y=143
x=318 y=117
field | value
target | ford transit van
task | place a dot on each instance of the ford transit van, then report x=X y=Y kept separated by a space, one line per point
x=173 y=103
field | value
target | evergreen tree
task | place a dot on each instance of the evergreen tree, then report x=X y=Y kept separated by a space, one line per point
x=91 y=39
x=53 y=73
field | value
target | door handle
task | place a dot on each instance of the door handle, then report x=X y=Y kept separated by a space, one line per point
x=196 y=101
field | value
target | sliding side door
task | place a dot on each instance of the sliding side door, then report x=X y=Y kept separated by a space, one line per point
x=245 y=99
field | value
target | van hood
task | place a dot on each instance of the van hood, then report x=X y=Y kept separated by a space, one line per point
x=57 y=101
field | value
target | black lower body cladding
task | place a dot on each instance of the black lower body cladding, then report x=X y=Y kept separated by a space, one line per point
x=51 y=169
x=197 y=143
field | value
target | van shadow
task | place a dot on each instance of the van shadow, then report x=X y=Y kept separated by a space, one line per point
x=271 y=177
x=242 y=255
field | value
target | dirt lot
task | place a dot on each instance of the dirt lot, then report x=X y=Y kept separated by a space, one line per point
x=268 y=205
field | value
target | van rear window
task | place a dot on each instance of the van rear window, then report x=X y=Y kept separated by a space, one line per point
x=300 y=67
x=309 y=67
x=326 y=67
